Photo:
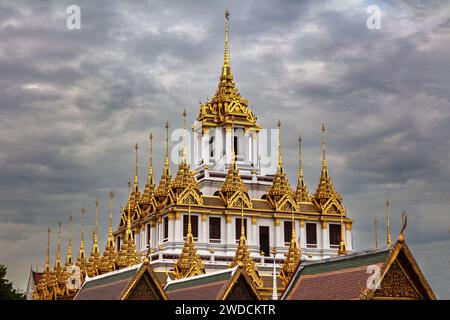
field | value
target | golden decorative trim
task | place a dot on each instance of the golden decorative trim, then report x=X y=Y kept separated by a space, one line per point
x=228 y=218
x=177 y=215
x=277 y=221
x=323 y=224
x=253 y=220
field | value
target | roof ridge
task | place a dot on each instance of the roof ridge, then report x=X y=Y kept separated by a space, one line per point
x=232 y=270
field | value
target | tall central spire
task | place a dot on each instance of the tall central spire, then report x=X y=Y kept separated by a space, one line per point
x=58 y=265
x=47 y=258
x=226 y=69
x=95 y=249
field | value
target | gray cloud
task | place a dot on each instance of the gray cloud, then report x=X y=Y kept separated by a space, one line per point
x=73 y=103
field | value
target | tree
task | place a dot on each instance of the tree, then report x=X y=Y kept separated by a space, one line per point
x=7 y=292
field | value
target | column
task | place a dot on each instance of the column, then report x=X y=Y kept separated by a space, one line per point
x=302 y=233
x=203 y=228
x=229 y=239
x=178 y=231
x=325 y=238
x=348 y=236
x=255 y=149
x=278 y=240
x=228 y=151
x=254 y=232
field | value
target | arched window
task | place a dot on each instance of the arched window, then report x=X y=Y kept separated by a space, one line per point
x=236 y=145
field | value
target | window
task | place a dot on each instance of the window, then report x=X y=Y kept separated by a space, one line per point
x=211 y=146
x=236 y=145
x=250 y=149
x=118 y=243
x=264 y=238
x=335 y=234
x=149 y=228
x=311 y=235
x=287 y=232
x=214 y=230
x=238 y=228
x=194 y=225
x=166 y=229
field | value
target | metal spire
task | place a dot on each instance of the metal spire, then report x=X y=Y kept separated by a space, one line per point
x=388 y=225
x=47 y=258
x=375 y=222
x=82 y=253
x=280 y=157
x=129 y=234
x=324 y=157
x=69 y=261
x=136 y=182
x=110 y=229
x=342 y=246
x=184 y=158
x=58 y=251
x=166 y=161
x=95 y=248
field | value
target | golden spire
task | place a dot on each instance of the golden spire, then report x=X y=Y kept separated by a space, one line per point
x=189 y=263
x=149 y=189
x=110 y=229
x=165 y=183
x=242 y=256
x=293 y=256
x=69 y=261
x=128 y=254
x=301 y=194
x=342 y=246
x=82 y=253
x=58 y=264
x=95 y=249
x=401 y=237
x=325 y=189
x=280 y=185
x=129 y=234
x=185 y=177
x=47 y=258
x=388 y=225
x=94 y=259
x=375 y=223
x=226 y=69
x=107 y=262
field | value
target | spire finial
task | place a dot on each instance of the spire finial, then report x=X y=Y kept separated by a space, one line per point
x=388 y=225
x=166 y=162
x=110 y=229
x=401 y=237
x=69 y=247
x=47 y=258
x=226 y=70
x=280 y=158
x=136 y=182
x=95 y=248
x=324 y=157
x=375 y=222
x=184 y=160
x=300 y=167
x=58 y=250
x=82 y=254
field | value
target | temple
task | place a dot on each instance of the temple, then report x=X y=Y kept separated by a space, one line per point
x=229 y=219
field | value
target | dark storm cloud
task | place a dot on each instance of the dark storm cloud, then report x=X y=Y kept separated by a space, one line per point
x=73 y=103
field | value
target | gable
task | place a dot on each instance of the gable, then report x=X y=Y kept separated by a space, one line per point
x=144 y=289
x=241 y=290
x=396 y=284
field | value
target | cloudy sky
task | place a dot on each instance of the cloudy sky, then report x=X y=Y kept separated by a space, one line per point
x=74 y=102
